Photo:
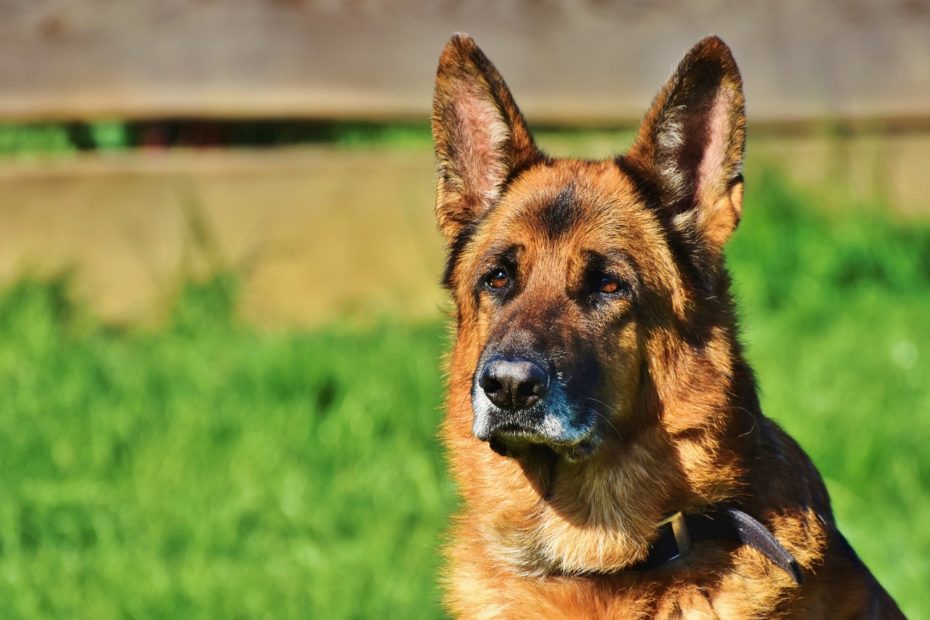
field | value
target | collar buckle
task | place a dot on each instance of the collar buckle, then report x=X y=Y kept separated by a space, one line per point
x=680 y=532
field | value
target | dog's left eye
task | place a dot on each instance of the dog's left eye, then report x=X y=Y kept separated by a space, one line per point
x=609 y=285
x=605 y=284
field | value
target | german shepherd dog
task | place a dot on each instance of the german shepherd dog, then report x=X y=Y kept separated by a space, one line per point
x=602 y=422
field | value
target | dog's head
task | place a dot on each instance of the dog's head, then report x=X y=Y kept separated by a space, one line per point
x=572 y=278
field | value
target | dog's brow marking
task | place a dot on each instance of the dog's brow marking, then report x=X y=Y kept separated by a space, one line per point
x=560 y=215
x=458 y=246
x=502 y=255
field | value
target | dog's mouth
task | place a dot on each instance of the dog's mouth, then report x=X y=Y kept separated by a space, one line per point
x=571 y=435
x=518 y=445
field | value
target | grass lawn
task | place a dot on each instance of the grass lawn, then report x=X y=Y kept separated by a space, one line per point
x=206 y=469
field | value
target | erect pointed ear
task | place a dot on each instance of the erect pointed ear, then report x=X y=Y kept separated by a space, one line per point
x=692 y=140
x=479 y=134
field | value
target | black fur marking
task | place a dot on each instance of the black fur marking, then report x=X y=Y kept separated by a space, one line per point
x=692 y=259
x=687 y=251
x=467 y=232
x=462 y=239
x=561 y=214
x=647 y=190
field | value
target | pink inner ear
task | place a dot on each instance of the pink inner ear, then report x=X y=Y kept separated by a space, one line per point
x=480 y=139
x=712 y=174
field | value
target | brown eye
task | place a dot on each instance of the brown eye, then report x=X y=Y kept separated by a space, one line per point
x=609 y=285
x=498 y=279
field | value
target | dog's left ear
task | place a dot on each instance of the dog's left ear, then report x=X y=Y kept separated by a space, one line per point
x=691 y=144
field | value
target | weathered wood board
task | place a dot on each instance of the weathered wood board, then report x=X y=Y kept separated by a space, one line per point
x=315 y=234
x=587 y=61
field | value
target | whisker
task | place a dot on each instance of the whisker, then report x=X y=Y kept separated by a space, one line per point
x=603 y=416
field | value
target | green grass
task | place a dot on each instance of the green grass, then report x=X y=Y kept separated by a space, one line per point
x=207 y=469
x=40 y=141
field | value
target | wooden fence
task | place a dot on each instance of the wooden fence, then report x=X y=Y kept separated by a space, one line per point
x=319 y=233
x=590 y=61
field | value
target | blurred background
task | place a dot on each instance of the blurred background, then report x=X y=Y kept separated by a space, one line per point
x=221 y=328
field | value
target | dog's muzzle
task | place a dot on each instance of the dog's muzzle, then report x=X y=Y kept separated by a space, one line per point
x=518 y=400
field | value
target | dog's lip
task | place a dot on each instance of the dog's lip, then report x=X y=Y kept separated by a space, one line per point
x=576 y=446
x=517 y=431
x=507 y=441
x=513 y=429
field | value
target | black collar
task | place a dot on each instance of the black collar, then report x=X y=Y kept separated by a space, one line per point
x=680 y=530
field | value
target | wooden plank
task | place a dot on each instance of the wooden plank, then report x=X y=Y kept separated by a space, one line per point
x=317 y=234
x=314 y=235
x=589 y=62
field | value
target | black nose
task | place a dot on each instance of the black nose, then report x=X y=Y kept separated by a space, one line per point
x=513 y=384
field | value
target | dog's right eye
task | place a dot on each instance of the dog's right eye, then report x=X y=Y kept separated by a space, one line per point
x=497 y=280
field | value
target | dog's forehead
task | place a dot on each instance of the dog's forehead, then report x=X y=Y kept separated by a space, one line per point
x=574 y=199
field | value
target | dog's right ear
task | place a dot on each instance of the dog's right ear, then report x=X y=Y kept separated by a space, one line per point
x=691 y=144
x=479 y=134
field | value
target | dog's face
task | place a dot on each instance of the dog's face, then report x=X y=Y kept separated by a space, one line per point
x=556 y=291
x=564 y=270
